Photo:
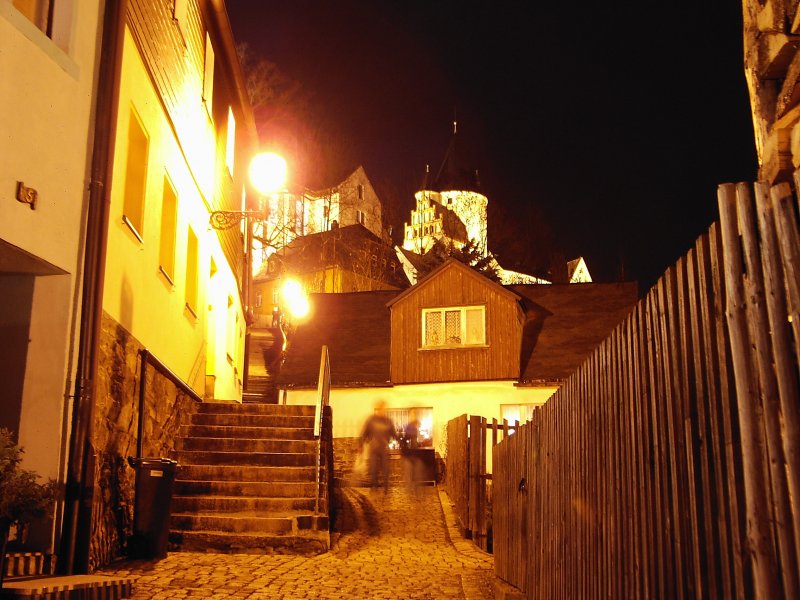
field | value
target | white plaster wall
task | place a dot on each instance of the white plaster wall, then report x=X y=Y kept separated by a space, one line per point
x=46 y=101
x=352 y=406
x=46 y=119
x=43 y=403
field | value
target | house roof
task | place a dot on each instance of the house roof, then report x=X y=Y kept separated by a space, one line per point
x=565 y=322
x=343 y=246
x=356 y=328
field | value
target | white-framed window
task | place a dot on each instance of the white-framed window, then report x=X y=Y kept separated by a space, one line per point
x=230 y=146
x=231 y=325
x=51 y=17
x=180 y=13
x=454 y=326
x=517 y=412
x=192 y=254
x=169 y=226
x=135 y=175
x=208 y=76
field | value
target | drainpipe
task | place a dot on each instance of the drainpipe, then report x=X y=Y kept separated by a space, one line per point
x=80 y=473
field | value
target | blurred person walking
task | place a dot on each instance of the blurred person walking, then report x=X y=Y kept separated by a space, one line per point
x=378 y=432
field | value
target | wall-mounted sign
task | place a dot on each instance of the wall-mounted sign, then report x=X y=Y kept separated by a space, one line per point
x=27 y=195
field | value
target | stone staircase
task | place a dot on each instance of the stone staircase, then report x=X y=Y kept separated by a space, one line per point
x=266 y=345
x=246 y=481
x=31 y=575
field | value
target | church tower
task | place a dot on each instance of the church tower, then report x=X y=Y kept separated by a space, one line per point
x=449 y=207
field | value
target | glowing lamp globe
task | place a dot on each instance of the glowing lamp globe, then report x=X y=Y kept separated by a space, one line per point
x=295 y=298
x=268 y=172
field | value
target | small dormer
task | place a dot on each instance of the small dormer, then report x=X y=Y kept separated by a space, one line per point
x=455 y=325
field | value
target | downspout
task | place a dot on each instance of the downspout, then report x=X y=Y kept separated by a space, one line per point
x=80 y=473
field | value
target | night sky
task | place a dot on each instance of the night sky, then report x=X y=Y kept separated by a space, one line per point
x=599 y=131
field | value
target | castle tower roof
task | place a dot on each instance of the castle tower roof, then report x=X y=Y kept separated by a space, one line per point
x=455 y=173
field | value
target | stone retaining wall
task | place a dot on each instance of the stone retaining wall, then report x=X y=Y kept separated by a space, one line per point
x=116 y=422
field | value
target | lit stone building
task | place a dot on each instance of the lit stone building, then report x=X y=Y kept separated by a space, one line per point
x=451 y=208
x=295 y=214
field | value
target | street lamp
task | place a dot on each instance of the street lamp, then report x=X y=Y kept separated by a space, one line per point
x=267 y=174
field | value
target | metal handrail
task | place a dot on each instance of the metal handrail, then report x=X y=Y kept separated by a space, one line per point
x=147 y=358
x=323 y=393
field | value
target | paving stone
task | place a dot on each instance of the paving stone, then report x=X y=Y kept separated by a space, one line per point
x=396 y=545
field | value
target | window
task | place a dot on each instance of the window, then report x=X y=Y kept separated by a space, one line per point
x=38 y=12
x=360 y=191
x=231 y=145
x=180 y=13
x=135 y=175
x=191 y=272
x=360 y=216
x=424 y=415
x=230 y=342
x=208 y=76
x=51 y=17
x=452 y=327
x=517 y=412
x=169 y=222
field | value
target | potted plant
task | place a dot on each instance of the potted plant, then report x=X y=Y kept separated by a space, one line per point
x=22 y=497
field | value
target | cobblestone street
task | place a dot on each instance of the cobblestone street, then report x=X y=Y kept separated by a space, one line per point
x=385 y=546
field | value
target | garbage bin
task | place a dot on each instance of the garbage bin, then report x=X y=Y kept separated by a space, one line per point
x=155 y=478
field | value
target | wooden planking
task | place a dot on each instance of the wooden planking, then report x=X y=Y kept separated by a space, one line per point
x=661 y=459
x=454 y=286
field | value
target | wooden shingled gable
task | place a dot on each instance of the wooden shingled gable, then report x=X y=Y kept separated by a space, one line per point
x=451 y=263
x=566 y=322
x=454 y=284
x=355 y=327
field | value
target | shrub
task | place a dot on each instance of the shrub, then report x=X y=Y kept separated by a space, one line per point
x=22 y=497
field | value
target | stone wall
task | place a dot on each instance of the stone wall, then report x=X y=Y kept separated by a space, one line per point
x=116 y=423
x=772 y=68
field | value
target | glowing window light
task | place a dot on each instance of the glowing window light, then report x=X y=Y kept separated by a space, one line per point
x=267 y=172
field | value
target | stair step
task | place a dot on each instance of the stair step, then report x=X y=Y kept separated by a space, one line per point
x=289 y=410
x=222 y=431
x=232 y=522
x=275 y=459
x=96 y=587
x=242 y=504
x=262 y=489
x=305 y=543
x=26 y=564
x=254 y=420
x=246 y=473
x=247 y=480
x=215 y=444
x=259 y=398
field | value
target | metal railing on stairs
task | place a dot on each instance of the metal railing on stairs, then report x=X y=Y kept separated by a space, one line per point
x=323 y=394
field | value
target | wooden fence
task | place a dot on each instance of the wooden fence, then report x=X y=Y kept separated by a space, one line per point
x=466 y=479
x=665 y=466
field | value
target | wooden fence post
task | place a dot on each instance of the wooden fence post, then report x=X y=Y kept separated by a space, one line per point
x=759 y=531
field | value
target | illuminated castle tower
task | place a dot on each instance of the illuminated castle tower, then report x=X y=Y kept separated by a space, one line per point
x=450 y=208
